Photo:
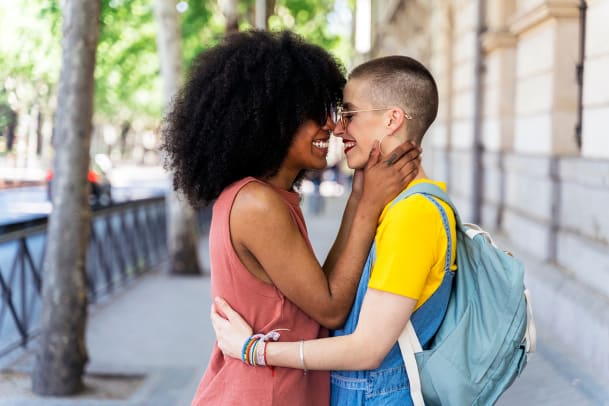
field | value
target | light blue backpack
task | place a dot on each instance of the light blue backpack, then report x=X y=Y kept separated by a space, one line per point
x=482 y=344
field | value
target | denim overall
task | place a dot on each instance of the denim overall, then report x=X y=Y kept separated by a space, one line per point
x=388 y=384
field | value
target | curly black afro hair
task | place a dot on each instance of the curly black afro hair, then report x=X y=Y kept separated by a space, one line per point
x=241 y=106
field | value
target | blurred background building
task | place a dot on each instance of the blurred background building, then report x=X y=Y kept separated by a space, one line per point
x=522 y=138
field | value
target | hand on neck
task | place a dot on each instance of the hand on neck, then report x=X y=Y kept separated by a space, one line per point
x=392 y=141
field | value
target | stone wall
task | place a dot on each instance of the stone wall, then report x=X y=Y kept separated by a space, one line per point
x=541 y=192
x=596 y=85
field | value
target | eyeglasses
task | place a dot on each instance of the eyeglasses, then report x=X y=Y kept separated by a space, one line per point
x=344 y=117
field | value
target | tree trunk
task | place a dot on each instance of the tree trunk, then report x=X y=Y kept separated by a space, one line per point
x=10 y=130
x=39 y=133
x=125 y=128
x=263 y=10
x=181 y=231
x=231 y=13
x=270 y=10
x=62 y=354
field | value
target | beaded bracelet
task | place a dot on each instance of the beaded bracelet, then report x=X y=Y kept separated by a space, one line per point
x=261 y=353
x=253 y=351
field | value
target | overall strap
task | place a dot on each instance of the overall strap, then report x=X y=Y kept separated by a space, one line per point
x=408 y=341
x=428 y=190
x=446 y=228
x=426 y=320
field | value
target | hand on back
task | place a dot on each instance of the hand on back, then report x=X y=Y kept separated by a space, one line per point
x=231 y=330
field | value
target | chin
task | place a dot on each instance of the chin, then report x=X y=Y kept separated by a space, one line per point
x=320 y=165
x=356 y=163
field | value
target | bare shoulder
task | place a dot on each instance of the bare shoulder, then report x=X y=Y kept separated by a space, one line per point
x=259 y=208
x=257 y=198
x=259 y=220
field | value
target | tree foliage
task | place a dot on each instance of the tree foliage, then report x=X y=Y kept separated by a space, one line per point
x=202 y=28
x=307 y=18
x=29 y=57
x=127 y=75
x=127 y=72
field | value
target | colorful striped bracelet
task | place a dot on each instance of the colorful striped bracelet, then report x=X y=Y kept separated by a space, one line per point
x=253 y=351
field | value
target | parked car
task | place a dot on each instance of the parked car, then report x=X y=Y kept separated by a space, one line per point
x=100 y=189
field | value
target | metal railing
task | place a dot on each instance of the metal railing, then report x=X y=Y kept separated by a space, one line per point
x=126 y=239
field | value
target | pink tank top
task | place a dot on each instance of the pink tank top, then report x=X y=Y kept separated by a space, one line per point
x=228 y=381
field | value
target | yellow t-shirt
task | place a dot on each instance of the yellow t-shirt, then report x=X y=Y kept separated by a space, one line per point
x=411 y=245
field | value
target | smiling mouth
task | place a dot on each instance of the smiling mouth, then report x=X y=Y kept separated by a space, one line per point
x=321 y=144
x=349 y=145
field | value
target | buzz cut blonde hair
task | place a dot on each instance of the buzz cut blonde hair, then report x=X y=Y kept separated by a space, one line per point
x=404 y=82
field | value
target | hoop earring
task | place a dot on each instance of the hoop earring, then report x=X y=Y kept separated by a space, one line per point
x=381 y=144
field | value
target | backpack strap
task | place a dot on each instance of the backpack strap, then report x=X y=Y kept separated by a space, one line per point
x=409 y=345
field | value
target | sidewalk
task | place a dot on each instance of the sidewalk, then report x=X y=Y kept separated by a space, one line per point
x=150 y=344
x=11 y=177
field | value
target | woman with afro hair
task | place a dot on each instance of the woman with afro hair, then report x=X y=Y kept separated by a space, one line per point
x=253 y=115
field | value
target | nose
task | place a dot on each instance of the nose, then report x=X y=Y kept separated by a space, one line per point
x=338 y=129
x=329 y=124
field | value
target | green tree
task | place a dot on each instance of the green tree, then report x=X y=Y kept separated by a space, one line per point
x=29 y=40
x=127 y=70
x=181 y=235
x=62 y=355
x=127 y=80
x=308 y=18
x=202 y=26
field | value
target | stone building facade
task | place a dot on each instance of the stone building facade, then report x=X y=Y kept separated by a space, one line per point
x=522 y=138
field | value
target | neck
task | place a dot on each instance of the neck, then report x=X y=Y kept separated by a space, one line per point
x=283 y=179
x=421 y=174
x=392 y=141
x=389 y=146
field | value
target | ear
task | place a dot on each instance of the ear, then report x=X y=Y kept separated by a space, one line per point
x=394 y=119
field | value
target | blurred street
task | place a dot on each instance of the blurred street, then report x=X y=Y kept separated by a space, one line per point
x=128 y=183
x=150 y=343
